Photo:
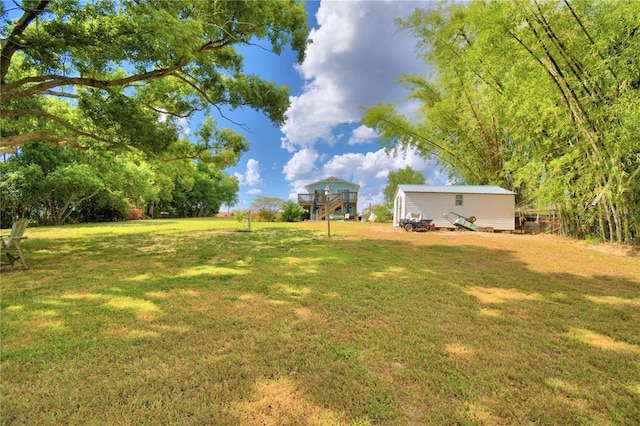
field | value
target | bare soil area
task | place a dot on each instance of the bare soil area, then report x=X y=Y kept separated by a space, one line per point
x=388 y=232
x=541 y=252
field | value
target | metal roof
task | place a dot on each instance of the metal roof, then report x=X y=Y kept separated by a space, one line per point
x=456 y=189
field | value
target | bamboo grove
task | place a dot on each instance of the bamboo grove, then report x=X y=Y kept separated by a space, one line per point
x=541 y=97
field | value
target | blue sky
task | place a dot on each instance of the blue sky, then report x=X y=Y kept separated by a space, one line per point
x=357 y=54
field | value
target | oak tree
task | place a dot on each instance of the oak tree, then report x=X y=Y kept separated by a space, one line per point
x=112 y=74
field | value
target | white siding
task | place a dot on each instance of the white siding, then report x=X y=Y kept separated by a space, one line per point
x=491 y=210
x=399 y=207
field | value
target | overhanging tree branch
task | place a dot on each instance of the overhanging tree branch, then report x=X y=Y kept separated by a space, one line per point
x=63 y=123
x=452 y=155
x=8 y=144
x=172 y=114
x=11 y=45
x=14 y=91
x=211 y=102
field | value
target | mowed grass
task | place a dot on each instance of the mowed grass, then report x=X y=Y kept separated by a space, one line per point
x=200 y=322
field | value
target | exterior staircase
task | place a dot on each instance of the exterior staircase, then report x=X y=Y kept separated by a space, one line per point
x=334 y=202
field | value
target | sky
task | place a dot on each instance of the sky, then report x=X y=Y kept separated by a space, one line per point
x=357 y=55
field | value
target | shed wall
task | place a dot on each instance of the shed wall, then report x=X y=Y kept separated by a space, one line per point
x=399 y=207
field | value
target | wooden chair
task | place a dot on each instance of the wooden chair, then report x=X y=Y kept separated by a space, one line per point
x=11 y=247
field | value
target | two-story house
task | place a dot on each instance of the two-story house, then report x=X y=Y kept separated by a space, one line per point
x=336 y=196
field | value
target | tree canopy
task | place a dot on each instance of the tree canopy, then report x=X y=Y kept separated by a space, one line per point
x=94 y=94
x=120 y=75
x=406 y=175
x=56 y=185
x=539 y=97
x=267 y=208
x=291 y=211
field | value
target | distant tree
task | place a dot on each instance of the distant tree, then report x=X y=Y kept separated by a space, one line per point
x=47 y=183
x=401 y=176
x=204 y=198
x=382 y=212
x=291 y=211
x=198 y=190
x=69 y=186
x=229 y=190
x=267 y=208
x=169 y=178
x=21 y=190
x=52 y=184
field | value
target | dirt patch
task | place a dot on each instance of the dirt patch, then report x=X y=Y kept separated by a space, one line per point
x=458 y=349
x=613 y=300
x=500 y=295
x=278 y=402
x=616 y=249
x=602 y=342
x=389 y=232
x=304 y=314
x=542 y=253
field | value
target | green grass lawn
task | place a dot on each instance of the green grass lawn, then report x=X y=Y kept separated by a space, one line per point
x=199 y=322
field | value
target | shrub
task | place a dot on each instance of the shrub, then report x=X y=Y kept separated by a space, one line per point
x=291 y=211
x=266 y=215
x=134 y=213
x=241 y=216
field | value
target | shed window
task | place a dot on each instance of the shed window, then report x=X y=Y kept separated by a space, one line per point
x=458 y=200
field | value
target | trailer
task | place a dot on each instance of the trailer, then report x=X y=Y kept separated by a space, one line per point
x=421 y=225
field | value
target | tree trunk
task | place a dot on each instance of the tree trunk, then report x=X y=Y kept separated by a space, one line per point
x=618 y=225
x=601 y=225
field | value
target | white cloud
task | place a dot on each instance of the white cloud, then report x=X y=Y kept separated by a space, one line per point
x=183 y=126
x=251 y=176
x=301 y=165
x=356 y=56
x=182 y=122
x=254 y=191
x=362 y=134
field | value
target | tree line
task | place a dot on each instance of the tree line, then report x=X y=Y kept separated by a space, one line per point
x=540 y=97
x=52 y=185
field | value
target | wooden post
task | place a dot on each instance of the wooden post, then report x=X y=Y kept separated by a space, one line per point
x=328 y=218
x=327 y=194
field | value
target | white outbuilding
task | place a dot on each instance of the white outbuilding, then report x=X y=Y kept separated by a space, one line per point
x=492 y=206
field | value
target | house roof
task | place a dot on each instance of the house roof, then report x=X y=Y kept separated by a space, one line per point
x=332 y=179
x=456 y=189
